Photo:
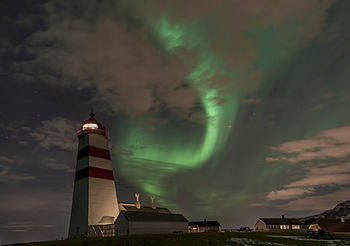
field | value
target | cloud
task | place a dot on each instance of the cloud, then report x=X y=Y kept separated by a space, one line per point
x=36 y=202
x=234 y=15
x=227 y=23
x=54 y=164
x=7 y=175
x=124 y=68
x=323 y=158
x=56 y=133
x=26 y=128
x=25 y=224
x=252 y=100
x=8 y=127
x=273 y=159
x=289 y=193
x=318 y=203
x=315 y=108
x=114 y=52
x=316 y=178
x=6 y=159
x=331 y=143
x=122 y=152
x=258 y=204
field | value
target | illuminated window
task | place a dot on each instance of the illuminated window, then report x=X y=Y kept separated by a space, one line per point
x=283 y=227
x=295 y=227
x=90 y=126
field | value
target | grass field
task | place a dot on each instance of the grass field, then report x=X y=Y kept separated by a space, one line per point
x=213 y=239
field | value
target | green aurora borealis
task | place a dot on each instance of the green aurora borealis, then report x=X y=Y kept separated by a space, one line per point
x=167 y=150
x=192 y=151
x=229 y=146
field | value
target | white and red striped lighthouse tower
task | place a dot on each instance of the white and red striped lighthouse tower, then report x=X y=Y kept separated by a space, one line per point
x=94 y=199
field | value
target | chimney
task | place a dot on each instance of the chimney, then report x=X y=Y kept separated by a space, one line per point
x=137 y=203
x=153 y=204
x=205 y=221
x=282 y=217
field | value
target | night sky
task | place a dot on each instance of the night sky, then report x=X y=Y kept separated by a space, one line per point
x=228 y=110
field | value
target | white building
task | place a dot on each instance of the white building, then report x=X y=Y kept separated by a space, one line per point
x=278 y=224
x=138 y=222
x=95 y=205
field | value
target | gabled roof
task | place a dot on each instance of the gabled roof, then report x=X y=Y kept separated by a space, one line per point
x=280 y=221
x=204 y=223
x=155 y=217
x=146 y=209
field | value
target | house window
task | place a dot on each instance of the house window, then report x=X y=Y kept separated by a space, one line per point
x=295 y=227
x=283 y=227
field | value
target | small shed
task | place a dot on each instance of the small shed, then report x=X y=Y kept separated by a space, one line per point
x=134 y=222
x=332 y=225
x=314 y=227
x=203 y=226
x=278 y=224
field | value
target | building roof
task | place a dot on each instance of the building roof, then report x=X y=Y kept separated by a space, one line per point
x=280 y=221
x=145 y=209
x=204 y=223
x=92 y=120
x=154 y=217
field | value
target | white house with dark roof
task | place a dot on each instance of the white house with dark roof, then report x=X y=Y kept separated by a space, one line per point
x=138 y=222
x=136 y=219
x=203 y=226
x=278 y=224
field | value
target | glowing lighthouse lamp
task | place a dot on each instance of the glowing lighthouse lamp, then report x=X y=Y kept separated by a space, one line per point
x=91 y=126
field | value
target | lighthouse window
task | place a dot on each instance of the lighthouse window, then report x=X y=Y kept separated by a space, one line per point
x=90 y=126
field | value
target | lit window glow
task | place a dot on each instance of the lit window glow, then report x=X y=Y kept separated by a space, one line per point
x=90 y=126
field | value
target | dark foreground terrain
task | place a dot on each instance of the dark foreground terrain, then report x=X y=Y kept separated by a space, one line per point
x=224 y=238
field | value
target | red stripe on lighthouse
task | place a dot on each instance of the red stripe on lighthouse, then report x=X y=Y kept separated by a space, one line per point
x=100 y=153
x=101 y=173
x=94 y=172
x=93 y=151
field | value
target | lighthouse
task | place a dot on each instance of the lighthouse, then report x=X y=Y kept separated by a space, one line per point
x=94 y=205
